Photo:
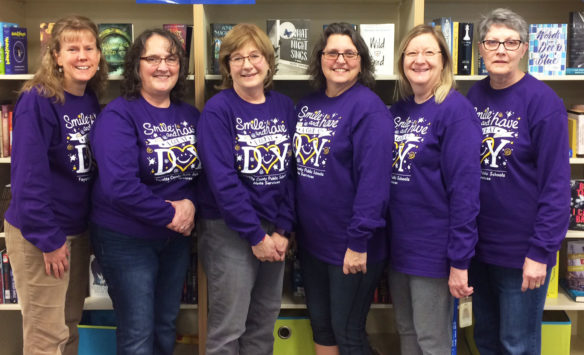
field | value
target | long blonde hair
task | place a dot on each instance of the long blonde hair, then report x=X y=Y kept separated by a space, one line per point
x=446 y=83
x=48 y=79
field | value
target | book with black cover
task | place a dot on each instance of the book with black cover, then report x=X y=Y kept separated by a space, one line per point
x=576 y=43
x=218 y=31
x=291 y=41
x=465 y=33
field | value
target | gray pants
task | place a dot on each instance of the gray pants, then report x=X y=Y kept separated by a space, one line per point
x=423 y=313
x=244 y=293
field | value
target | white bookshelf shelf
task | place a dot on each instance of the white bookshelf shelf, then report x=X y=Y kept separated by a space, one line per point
x=5 y=160
x=563 y=303
x=575 y=234
x=576 y=161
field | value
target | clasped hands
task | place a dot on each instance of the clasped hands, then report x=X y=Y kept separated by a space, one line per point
x=271 y=248
x=183 y=221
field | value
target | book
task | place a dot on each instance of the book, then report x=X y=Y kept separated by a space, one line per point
x=5 y=196
x=547 y=49
x=15 y=50
x=45 y=32
x=116 y=39
x=291 y=41
x=380 y=41
x=576 y=131
x=185 y=34
x=455 y=26
x=576 y=43
x=576 y=205
x=465 y=34
x=218 y=31
x=5 y=124
x=2 y=25
x=575 y=268
x=482 y=69
x=552 y=291
x=444 y=24
x=577 y=296
x=7 y=283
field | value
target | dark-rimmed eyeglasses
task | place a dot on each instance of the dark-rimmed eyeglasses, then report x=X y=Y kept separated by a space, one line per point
x=510 y=44
x=335 y=55
x=154 y=60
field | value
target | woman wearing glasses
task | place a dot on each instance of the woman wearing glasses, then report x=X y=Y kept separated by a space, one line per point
x=342 y=146
x=434 y=194
x=246 y=196
x=525 y=199
x=143 y=211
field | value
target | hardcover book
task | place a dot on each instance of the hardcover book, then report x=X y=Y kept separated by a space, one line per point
x=97 y=284
x=379 y=39
x=218 y=31
x=116 y=39
x=5 y=125
x=576 y=43
x=15 y=50
x=576 y=205
x=575 y=267
x=292 y=44
x=465 y=34
x=576 y=131
x=547 y=49
x=444 y=24
x=2 y=25
x=45 y=31
x=185 y=34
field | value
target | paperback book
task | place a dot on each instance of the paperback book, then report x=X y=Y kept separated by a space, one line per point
x=547 y=49
x=444 y=24
x=218 y=31
x=2 y=25
x=97 y=284
x=576 y=44
x=379 y=39
x=576 y=205
x=292 y=44
x=575 y=267
x=15 y=50
x=116 y=39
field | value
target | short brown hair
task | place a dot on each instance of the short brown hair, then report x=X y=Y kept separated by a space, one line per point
x=236 y=38
x=446 y=77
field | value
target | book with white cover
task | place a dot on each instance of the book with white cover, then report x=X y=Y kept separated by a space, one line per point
x=380 y=41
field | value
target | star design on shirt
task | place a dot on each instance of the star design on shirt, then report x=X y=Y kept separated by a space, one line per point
x=151 y=161
x=239 y=158
x=72 y=157
x=184 y=123
x=275 y=120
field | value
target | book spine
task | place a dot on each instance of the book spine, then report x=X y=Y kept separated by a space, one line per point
x=6 y=277
x=455 y=47
x=465 y=34
x=5 y=132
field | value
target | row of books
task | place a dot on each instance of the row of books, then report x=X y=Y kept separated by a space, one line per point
x=573 y=283
x=554 y=49
x=292 y=43
x=7 y=280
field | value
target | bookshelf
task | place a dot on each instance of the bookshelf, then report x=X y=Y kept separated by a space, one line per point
x=404 y=13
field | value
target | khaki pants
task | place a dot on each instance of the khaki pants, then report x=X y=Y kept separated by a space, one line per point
x=51 y=307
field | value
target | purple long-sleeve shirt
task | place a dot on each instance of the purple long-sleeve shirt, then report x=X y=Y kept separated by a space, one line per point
x=145 y=155
x=51 y=167
x=525 y=182
x=434 y=186
x=246 y=150
x=343 y=157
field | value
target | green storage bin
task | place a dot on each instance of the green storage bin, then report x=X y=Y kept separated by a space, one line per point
x=293 y=336
x=556 y=330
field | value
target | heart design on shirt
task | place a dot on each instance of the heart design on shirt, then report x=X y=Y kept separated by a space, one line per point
x=304 y=148
x=267 y=159
x=184 y=156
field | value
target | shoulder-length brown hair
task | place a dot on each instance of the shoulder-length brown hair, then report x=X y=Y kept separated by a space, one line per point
x=132 y=84
x=236 y=38
x=48 y=80
x=446 y=83
x=367 y=74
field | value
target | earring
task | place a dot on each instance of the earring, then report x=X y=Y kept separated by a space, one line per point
x=98 y=68
x=60 y=69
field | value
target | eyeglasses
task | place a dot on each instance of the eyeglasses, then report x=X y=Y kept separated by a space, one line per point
x=253 y=58
x=427 y=54
x=335 y=55
x=155 y=60
x=510 y=44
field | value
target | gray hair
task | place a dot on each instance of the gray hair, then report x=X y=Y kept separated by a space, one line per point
x=506 y=18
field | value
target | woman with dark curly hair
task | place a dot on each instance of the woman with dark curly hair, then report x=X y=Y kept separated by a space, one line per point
x=343 y=146
x=143 y=198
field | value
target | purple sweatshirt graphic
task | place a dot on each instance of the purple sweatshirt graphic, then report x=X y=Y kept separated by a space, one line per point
x=246 y=150
x=434 y=186
x=343 y=154
x=525 y=181
x=145 y=155
x=51 y=167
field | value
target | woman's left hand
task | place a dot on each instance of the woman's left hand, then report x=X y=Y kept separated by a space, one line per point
x=354 y=262
x=183 y=221
x=458 y=283
x=281 y=243
x=534 y=274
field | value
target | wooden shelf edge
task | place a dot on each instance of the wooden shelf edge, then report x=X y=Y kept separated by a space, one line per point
x=574 y=234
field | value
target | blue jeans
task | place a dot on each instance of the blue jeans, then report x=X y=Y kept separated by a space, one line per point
x=338 y=304
x=145 y=280
x=508 y=321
